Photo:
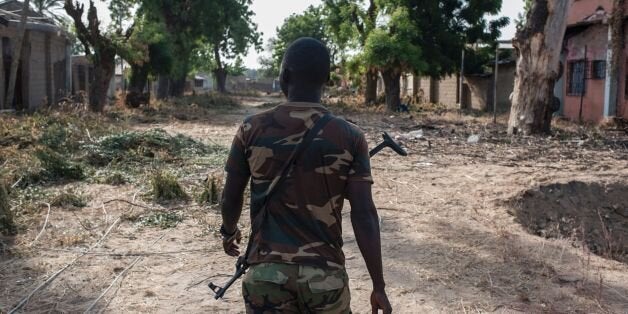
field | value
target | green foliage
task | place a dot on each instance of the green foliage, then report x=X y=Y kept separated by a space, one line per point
x=204 y=61
x=57 y=167
x=393 y=46
x=69 y=200
x=445 y=28
x=115 y=179
x=320 y=22
x=49 y=9
x=139 y=146
x=166 y=188
x=161 y=219
x=7 y=224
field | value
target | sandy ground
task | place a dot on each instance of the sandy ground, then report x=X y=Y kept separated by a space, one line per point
x=451 y=238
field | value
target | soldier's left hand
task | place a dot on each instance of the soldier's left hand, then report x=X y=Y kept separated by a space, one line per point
x=230 y=243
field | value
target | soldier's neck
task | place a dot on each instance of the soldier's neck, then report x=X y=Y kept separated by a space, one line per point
x=304 y=96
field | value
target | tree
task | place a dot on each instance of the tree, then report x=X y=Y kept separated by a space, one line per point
x=538 y=46
x=355 y=19
x=49 y=8
x=17 y=53
x=438 y=30
x=230 y=36
x=101 y=49
x=618 y=45
x=392 y=51
x=307 y=24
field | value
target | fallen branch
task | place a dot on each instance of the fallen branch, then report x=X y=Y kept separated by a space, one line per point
x=56 y=274
x=121 y=275
x=44 y=227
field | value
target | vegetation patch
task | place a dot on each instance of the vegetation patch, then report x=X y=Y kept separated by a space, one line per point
x=166 y=188
x=69 y=200
x=7 y=223
x=161 y=219
x=115 y=179
x=56 y=167
x=139 y=146
x=211 y=192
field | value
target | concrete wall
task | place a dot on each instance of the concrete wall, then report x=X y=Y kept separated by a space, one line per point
x=35 y=75
x=595 y=38
x=448 y=90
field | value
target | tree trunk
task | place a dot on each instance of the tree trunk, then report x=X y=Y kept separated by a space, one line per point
x=136 y=96
x=221 y=80
x=370 y=90
x=538 y=45
x=392 y=84
x=104 y=69
x=17 y=52
x=163 y=87
x=220 y=72
x=618 y=44
x=177 y=86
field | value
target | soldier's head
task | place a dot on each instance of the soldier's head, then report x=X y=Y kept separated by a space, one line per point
x=305 y=68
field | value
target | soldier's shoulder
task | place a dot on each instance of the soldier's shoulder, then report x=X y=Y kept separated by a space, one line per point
x=351 y=128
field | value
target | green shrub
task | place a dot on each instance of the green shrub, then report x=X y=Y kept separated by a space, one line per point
x=57 y=167
x=137 y=146
x=161 y=219
x=7 y=224
x=116 y=179
x=69 y=200
x=166 y=188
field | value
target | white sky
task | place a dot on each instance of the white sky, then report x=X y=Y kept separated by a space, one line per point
x=270 y=14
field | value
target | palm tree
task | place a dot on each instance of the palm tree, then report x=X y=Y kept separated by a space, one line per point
x=48 y=8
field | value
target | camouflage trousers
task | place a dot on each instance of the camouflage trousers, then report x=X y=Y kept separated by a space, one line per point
x=285 y=288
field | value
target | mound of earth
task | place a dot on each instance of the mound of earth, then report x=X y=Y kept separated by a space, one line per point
x=595 y=214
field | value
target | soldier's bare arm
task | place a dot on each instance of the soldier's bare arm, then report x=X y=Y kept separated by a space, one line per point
x=365 y=223
x=232 y=200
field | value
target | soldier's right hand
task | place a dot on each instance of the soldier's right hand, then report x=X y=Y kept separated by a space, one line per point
x=379 y=301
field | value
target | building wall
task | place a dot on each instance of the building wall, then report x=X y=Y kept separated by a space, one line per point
x=583 y=8
x=37 y=76
x=448 y=90
x=595 y=38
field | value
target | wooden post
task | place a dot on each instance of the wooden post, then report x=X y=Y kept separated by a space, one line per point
x=17 y=52
x=461 y=91
x=49 y=70
x=2 y=74
x=495 y=78
x=26 y=70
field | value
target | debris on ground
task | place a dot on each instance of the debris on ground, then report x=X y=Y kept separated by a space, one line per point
x=7 y=223
x=69 y=200
x=166 y=188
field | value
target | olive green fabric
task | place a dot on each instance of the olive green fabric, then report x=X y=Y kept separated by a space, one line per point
x=285 y=288
x=302 y=222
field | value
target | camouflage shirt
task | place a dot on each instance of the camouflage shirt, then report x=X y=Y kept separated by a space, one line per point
x=303 y=221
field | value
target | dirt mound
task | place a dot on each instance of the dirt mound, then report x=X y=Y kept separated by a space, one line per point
x=595 y=214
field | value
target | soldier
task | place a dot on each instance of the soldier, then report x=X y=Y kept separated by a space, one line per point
x=296 y=257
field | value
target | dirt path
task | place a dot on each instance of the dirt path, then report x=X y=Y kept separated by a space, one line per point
x=451 y=239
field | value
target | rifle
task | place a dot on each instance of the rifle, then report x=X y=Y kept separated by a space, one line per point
x=242 y=265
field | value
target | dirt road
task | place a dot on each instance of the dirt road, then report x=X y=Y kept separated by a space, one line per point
x=450 y=220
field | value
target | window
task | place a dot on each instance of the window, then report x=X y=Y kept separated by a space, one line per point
x=576 y=78
x=599 y=70
x=199 y=83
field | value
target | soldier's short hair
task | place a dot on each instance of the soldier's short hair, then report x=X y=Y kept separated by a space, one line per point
x=308 y=60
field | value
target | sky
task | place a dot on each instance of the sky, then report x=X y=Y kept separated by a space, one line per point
x=270 y=14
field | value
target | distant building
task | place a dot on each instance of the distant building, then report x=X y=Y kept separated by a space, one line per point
x=477 y=90
x=44 y=75
x=586 y=91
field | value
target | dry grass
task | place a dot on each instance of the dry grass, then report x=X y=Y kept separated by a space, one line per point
x=166 y=188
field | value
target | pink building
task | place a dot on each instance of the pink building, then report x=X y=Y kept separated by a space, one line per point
x=586 y=91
